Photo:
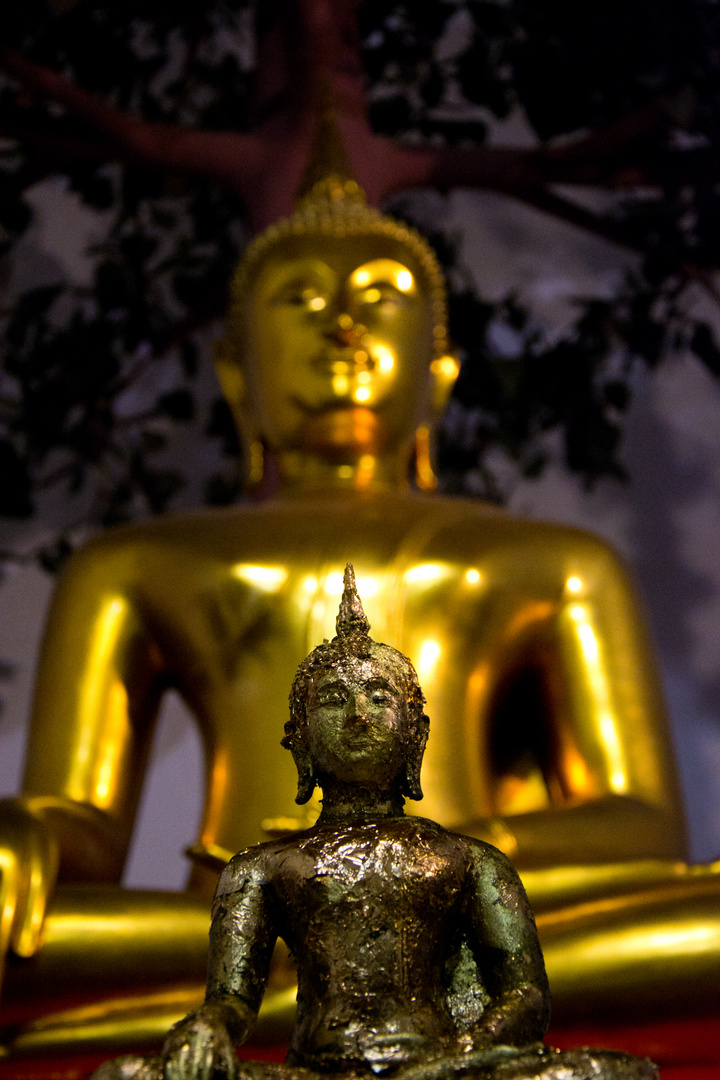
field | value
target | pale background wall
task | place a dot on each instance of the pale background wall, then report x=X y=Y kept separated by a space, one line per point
x=666 y=522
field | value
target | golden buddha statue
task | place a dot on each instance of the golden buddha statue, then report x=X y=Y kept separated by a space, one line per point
x=550 y=739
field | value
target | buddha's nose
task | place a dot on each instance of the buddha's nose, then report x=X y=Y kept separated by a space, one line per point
x=356 y=712
x=345 y=331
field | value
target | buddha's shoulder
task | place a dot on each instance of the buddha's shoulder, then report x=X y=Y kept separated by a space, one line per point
x=191 y=542
x=176 y=529
x=406 y=511
x=479 y=852
x=477 y=860
x=257 y=864
x=435 y=528
x=419 y=831
x=472 y=522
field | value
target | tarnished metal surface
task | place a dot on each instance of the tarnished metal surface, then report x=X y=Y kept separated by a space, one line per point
x=375 y=913
x=416 y=949
x=500 y=1063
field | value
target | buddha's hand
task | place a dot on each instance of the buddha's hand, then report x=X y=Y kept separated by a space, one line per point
x=200 y=1048
x=28 y=869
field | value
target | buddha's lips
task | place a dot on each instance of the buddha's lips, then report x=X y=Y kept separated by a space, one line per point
x=338 y=429
x=325 y=362
x=336 y=405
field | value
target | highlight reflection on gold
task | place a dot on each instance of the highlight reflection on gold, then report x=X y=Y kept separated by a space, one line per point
x=384 y=274
x=330 y=583
x=385 y=358
x=597 y=676
x=445 y=371
x=108 y=770
x=404 y=280
x=268 y=578
x=446 y=366
x=100 y=695
x=428 y=657
x=367 y=582
x=424 y=573
x=576 y=770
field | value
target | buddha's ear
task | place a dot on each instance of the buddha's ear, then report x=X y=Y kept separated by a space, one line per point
x=306 y=775
x=443 y=372
x=232 y=383
x=230 y=376
x=425 y=477
x=443 y=376
x=415 y=753
x=411 y=786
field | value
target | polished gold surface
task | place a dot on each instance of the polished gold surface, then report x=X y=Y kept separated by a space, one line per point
x=549 y=736
x=328 y=332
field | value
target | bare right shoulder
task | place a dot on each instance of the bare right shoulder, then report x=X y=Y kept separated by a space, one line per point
x=253 y=867
x=244 y=868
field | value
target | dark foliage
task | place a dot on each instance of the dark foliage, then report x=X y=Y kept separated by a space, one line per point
x=99 y=379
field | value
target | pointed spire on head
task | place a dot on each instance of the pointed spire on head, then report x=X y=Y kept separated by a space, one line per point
x=328 y=175
x=351 y=618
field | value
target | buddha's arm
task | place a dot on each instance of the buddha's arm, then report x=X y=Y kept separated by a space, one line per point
x=242 y=938
x=96 y=698
x=613 y=790
x=505 y=943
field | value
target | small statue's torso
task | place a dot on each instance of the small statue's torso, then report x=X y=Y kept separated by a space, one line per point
x=353 y=902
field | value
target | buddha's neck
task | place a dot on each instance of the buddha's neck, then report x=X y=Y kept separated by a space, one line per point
x=300 y=473
x=353 y=802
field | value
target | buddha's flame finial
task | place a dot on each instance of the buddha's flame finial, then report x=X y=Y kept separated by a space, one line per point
x=351 y=617
x=328 y=173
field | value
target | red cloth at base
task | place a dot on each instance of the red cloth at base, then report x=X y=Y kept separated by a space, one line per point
x=685 y=1049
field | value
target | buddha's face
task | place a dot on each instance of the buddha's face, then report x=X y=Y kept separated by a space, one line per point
x=339 y=337
x=357 y=724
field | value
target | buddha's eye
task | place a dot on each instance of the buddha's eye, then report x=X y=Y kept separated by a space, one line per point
x=309 y=297
x=331 y=697
x=314 y=301
x=380 y=295
x=382 y=695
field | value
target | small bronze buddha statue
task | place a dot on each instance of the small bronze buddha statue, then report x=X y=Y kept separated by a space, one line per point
x=336 y=357
x=416 y=949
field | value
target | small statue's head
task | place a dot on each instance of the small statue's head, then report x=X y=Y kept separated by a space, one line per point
x=337 y=339
x=356 y=710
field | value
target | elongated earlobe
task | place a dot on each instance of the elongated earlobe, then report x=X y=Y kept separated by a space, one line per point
x=256 y=469
x=425 y=478
x=444 y=371
x=306 y=777
x=234 y=388
x=415 y=753
x=412 y=787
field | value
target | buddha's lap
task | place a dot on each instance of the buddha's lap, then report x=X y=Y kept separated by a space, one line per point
x=537 y=1062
